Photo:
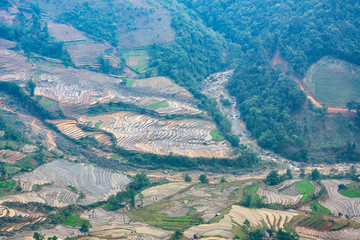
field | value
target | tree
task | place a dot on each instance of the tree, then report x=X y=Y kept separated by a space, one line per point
x=84 y=228
x=140 y=182
x=31 y=87
x=315 y=174
x=38 y=236
x=203 y=178
x=342 y=187
x=187 y=178
x=302 y=173
x=289 y=174
x=222 y=180
x=353 y=170
x=247 y=223
x=272 y=178
x=282 y=235
x=256 y=234
x=352 y=105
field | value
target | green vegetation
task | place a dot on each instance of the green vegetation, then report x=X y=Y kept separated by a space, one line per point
x=157 y=105
x=103 y=23
x=140 y=182
x=304 y=187
x=141 y=59
x=246 y=160
x=187 y=178
x=150 y=214
x=270 y=102
x=75 y=221
x=48 y=103
x=251 y=198
x=273 y=178
x=130 y=82
x=215 y=134
x=351 y=190
x=12 y=138
x=335 y=83
x=203 y=178
x=110 y=207
x=97 y=125
x=313 y=221
x=29 y=103
x=317 y=208
x=7 y=185
x=32 y=37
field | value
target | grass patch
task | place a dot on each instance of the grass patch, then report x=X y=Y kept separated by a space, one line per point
x=110 y=207
x=26 y=163
x=75 y=221
x=116 y=157
x=141 y=58
x=304 y=187
x=215 y=134
x=157 y=105
x=150 y=214
x=7 y=185
x=10 y=170
x=97 y=125
x=352 y=191
x=129 y=83
x=47 y=103
x=305 y=197
x=336 y=84
x=317 y=208
x=313 y=221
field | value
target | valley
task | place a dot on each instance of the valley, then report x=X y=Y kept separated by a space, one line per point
x=178 y=119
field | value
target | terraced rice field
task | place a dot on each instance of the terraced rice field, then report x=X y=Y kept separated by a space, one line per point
x=61 y=231
x=87 y=54
x=157 y=193
x=338 y=203
x=275 y=197
x=71 y=87
x=10 y=156
x=207 y=201
x=137 y=59
x=27 y=218
x=114 y=225
x=348 y=233
x=95 y=183
x=64 y=32
x=238 y=214
x=189 y=137
x=162 y=86
x=13 y=66
x=70 y=129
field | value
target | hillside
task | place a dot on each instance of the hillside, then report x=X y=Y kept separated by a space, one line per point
x=179 y=119
x=272 y=105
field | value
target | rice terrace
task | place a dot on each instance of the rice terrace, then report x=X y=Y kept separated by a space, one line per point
x=179 y=120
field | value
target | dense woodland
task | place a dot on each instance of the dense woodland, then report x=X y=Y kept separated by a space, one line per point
x=304 y=32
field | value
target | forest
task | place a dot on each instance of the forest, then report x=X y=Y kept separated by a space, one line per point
x=270 y=101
